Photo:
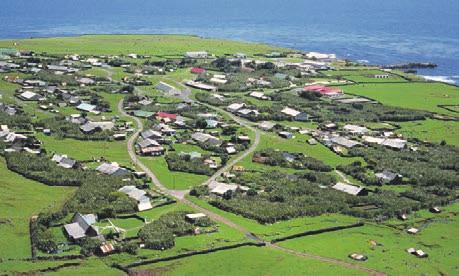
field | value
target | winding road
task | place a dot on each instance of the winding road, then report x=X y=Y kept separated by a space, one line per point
x=179 y=195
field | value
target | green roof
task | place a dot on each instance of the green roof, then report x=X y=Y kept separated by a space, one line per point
x=143 y=114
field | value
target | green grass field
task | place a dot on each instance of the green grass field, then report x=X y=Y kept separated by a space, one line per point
x=246 y=261
x=364 y=75
x=283 y=228
x=172 y=180
x=421 y=96
x=157 y=45
x=297 y=145
x=438 y=239
x=115 y=151
x=432 y=131
x=21 y=198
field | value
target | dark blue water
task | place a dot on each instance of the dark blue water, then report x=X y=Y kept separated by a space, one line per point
x=381 y=32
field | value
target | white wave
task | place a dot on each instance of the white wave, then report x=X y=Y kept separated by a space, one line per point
x=445 y=79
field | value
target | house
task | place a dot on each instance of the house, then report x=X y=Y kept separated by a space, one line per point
x=166 y=88
x=350 y=189
x=119 y=136
x=112 y=169
x=105 y=249
x=319 y=56
x=206 y=138
x=290 y=112
x=435 y=210
x=29 y=96
x=354 y=129
x=345 y=142
x=220 y=188
x=197 y=55
x=12 y=137
x=200 y=85
x=312 y=141
x=218 y=81
x=81 y=227
x=230 y=150
x=381 y=76
x=259 y=95
x=285 y=134
x=86 y=81
x=145 y=143
x=194 y=217
x=266 y=125
x=166 y=116
x=63 y=161
x=143 y=201
x=323 y=90
x=247 y=112
x=151 y=134
x=211 y=123
x=389 y=177
x=86 y=107
x=394 y=143
x=145 y=102
x=197 y=70
x=152 y=151
x=235 y=107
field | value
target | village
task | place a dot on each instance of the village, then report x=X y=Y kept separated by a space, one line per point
x=268 y=137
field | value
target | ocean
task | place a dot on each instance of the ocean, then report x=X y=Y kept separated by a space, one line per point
x=370 y=31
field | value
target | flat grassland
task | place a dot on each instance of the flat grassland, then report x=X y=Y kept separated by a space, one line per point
x=419 y=95
x=437 y=237
x=432 y=131
x=246 y=261
x=157 y=45
x=20 y=198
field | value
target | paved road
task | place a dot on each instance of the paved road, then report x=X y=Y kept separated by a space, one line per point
x=179 y=195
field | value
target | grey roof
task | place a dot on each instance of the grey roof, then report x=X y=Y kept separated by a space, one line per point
x=80 y=225
x=150 y=133
x=75 y=231
x=343 y=141
x=147 y=143
x=112 y=169
x=387 y=175
x=347 y=188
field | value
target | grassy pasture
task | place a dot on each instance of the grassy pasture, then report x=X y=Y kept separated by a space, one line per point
x=283 y=228
x=19 y=200
x=364 y=75
x=432 y=131
x=115 y=151
x=420 y=96
x=437 y=239
x=157 y=45
x=246 y=261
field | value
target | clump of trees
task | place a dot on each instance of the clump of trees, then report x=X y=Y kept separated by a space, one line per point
x=62 y=128
x=288 y=160
x=161 y=233
x=286 y=196
x=184 y=163
x=19 y=120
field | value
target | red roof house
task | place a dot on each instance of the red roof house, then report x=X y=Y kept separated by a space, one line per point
x=323 y=90
x=164 y=115
x=197 y=70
